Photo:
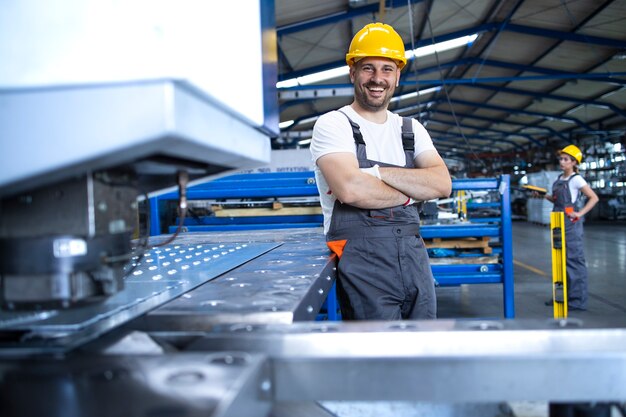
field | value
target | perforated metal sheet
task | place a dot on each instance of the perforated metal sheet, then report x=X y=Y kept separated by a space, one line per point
x=163 y=274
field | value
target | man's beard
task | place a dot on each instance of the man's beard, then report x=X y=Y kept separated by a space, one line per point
x=361 y=97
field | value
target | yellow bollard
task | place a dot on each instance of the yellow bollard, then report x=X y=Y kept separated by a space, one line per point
x=559 y=270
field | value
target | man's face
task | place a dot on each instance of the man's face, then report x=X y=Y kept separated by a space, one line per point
x=375 y=80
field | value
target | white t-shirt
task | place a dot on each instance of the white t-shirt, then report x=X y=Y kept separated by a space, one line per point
x=333 y=133
x=576 y=183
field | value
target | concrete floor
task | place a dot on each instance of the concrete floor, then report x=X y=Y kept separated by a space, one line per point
x=605 y=251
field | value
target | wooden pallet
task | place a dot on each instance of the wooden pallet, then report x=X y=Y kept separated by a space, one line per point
x=460 y=243
x=275 y=210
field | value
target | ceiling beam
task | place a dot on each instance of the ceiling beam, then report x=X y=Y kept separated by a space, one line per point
x=492 y=120
x=449 y=136
x=549 y=96
x=561 y=76
x=338 y=17
x=567 y=36
x=504 y=133
x=609 y=77
x=453 y=144
x=510 y=110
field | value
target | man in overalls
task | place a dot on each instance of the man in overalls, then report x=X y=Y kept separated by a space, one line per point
x=567 y=191
x=372 y=166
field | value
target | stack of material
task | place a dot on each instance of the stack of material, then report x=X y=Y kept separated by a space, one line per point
x=482 y=244
x=467 y=250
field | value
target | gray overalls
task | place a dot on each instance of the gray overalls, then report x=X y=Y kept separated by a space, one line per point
x=383 y=269
x=576 y=265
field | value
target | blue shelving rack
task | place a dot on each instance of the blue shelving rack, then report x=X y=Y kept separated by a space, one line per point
x=244 y=186
x=499 y=227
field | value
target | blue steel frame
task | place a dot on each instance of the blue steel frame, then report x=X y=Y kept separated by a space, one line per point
x=447 y=275
x=289 y=184
x=244 y=186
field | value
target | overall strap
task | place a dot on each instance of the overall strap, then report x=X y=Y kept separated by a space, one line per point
x=408 y=138
x=408 y=142
x=579 y=195
x=356 y=130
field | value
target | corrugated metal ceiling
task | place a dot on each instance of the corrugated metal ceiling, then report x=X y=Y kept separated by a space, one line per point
x=541 y=74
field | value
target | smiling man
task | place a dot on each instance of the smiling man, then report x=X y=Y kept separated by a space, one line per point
x=372 y=167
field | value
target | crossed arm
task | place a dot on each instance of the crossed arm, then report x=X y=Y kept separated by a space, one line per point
x=352 y=186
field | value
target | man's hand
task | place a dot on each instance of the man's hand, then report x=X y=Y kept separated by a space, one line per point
x=373 y=171
x=429 y=180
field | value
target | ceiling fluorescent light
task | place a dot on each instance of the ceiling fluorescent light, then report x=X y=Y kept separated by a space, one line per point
x=285 y=124
x=314 y=78
x=308 y=120
x=415 y=53
x=292 y=82
x=288 y=123
x=441 y=46
x=416 y=93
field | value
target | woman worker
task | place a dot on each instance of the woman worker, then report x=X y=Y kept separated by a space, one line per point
x=566 y=197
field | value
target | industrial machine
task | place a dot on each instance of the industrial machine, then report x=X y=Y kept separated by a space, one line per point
x=98 y=320
x=83 y=136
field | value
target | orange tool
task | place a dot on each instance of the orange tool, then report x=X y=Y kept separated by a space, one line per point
x=570 y=210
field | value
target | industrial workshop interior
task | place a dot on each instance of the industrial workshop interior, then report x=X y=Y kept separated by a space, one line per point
x=190 y=227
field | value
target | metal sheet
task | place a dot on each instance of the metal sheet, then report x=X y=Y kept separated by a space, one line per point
x=415 y=409
x=162 y=274
x=285 y=285
x=221 y=384
x=436 y=361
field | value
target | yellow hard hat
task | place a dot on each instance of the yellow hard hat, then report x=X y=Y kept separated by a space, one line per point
x=574 y=152
x=376 y=39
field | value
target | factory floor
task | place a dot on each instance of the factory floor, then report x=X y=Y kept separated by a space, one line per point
x=605 y=252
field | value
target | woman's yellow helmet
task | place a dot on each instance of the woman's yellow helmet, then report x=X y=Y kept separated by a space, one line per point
x=574 y=152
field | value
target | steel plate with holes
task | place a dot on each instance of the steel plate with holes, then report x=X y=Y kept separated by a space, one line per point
x=288 y=284
x=163 y=274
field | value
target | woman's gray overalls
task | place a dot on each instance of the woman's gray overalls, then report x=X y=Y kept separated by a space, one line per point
x=576 y=265
x=383 y=270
